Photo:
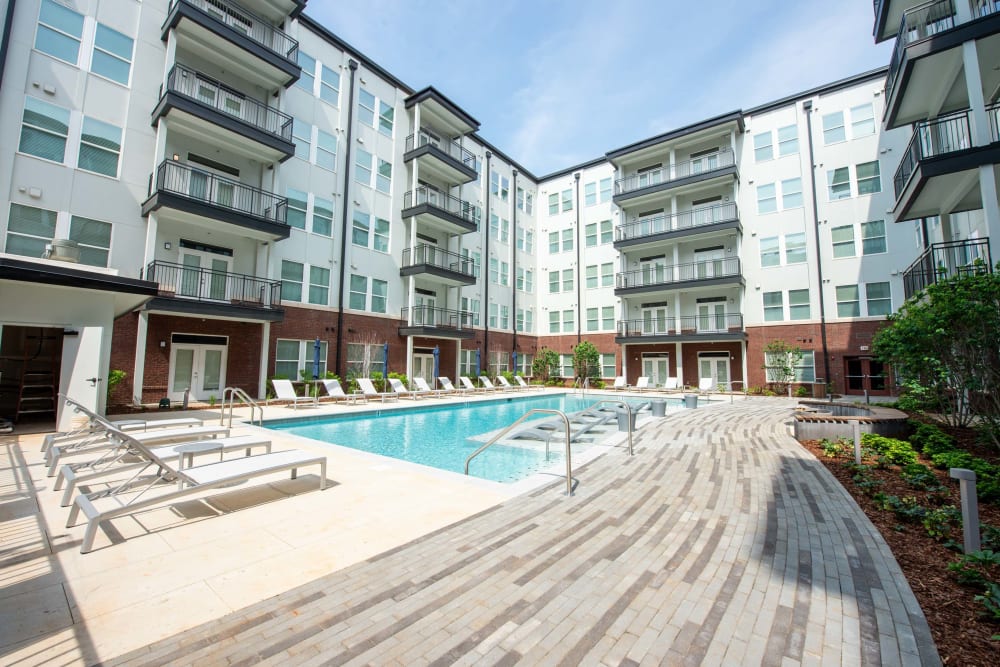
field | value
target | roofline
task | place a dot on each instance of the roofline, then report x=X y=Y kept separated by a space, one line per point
x=568 y=170
x=731 y=116
x=496 y=151
x=821 y=90
x=431 y=91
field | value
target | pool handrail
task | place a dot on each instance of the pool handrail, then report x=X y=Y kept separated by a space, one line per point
x=492 y=441
x=628 y=408
x=228 y=396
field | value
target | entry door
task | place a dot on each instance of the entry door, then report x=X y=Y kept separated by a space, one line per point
x=654 y=271
x=711 y=317
x=202 y=368
x=206 y=185
x=203 y=276
x=865 y=373
x=656 y=367
x=716 y=368
x=423 y=367
x=709 y=263
x=655 y=321
x=706 y=162
x=423 y=312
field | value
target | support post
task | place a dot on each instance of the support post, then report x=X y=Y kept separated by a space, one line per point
x=857 y=442
x=970 y=508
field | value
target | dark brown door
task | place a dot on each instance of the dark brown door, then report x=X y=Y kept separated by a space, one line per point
x=865 y=374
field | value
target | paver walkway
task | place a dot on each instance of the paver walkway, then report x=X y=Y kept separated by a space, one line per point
x=721 y=542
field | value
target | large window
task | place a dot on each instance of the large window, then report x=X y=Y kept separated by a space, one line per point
x=94 y=237
x=307 y=79
x=591 y=277
x=567 y=200
x=60 y=30
x=788 y=140
x=553 y=203
x=839 y=183
x=879 y=299
x=365 y=359
x=359 y=292
x=608 y=365
x=767 y=199
x=843 y=241
x=112 y=56
x=795 y=248
x=567 y=280
x=364 y=235
x=553 y=282
x=319 y=285
x=791 y=193
x=774 y=308
x=590 y=235
x=329 y=86
x=869 y=181
x=302 y=135
x=100 y=147
x=770 y=253
x=590 y=193
x=29 y=230
x=293 y=359
x=380 y=293
x=554 y=321
x=607 y=274
x=862 y=121
x=383 y=181
x=608 y=318
x=605 y=190
x=366 y=108
x=326 y=150
x=553 y=242
x=798 y=304
x=567 y=240
x=833 y=128
x=322 y=217
x=291 y=280
x=297 y=205
x=44 y=130
x=363 y=167
x=593 y=319
x=763 y=147
x=848 y=304
x=569 y=321
x=873 y=237
x=804 y=369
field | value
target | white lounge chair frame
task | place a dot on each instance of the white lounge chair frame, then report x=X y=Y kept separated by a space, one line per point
x=525 y=385
x=424 y=388
x=335 y=391
x=400 y=389
x=285 y=391
x=368 y=389
x=449 y=387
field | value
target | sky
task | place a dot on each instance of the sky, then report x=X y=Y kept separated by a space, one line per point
x=555 y=83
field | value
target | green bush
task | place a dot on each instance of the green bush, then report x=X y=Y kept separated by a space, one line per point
x=930 y=439
x=991 y=601
x=976 y=568
x=906 y=508
x=801 y=391
x=834 y=448
x=941 y=522
x=919 y=476
x=891 y=450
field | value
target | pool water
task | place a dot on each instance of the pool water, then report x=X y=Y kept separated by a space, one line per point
x=443 y=435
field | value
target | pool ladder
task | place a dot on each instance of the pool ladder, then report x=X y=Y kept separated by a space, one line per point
x=581 y=385
x=229 y=396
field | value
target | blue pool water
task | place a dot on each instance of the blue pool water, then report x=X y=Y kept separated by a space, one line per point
x=438 y=435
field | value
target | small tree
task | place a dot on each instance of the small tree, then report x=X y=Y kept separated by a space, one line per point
x=586 y=361
x=545 y=365
x=780 y=361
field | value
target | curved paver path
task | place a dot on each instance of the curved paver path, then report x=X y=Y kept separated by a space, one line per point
x=721 y=542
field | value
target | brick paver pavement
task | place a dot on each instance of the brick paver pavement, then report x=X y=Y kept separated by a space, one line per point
x=721 y=541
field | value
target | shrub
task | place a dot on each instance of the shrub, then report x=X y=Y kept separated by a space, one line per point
x=834 y=448
x=397 y=376
x=919 y=476
x=991 y=601
x=868 y=484
x=939 y=523
x=976 y=568
x=929 y=439
x=894 y=451
x=906 y=508
x=801 y=391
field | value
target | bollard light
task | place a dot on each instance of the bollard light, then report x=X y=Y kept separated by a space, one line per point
x=970 y=507
x=857 y=442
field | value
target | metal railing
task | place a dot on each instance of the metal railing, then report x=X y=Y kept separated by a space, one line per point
x=247 y=23
x=450 y=148
x=229 y=394
x=444 y=202
x=435 y=256
x=495 y=438
x=206 y=187
x=662 y=274
x=700 y=165
x=429 y=316
x=932 y=138
x=200 y=284
x=697 y=217
x=705 y=325
x=218 y=96
x=993 y=114
x=942 y=261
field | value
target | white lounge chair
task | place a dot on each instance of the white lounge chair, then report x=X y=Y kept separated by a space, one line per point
x=284 y=391
x=642 y=384
x=672 y=384
x=335 y=391
x=506 y=386
x=449 y=387
x=525 y=385
x=368 y=389
x=487 y=385
x=706 y=385
x=400 y=389
x=139 y=493
x=467 y=383
x=620 y=384
x=424 y=388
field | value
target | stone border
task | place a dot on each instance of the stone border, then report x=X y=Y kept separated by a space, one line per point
x=816 y=420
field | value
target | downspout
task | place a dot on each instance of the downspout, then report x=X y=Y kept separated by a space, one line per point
x=5 y=40
x=513 y=297
x=486 y=253
x=346 y=194
x=807 y=107
x=579 y=275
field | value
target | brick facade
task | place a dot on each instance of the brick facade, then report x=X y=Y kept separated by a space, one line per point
x=689 y=359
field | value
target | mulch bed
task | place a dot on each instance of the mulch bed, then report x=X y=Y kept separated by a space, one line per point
x=961 y=634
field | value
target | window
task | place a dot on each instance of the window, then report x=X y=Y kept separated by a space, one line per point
x=774 y=308
x=524 y=239
x=804 y=369
x=608 y=318
x=59 y=32
x=524 y=323
x=100 y=147
x=44 y=130
x=519 y=199
x=605 y=190
x=308 y=76
x=319 y=285
x=528 y=207
x=495 y=226
x=795 y=248
x=363 y=359
x=322 y=218
x=569 y=324
x=30 y=230
x=94 y=238
x=567 y=280
x=329 y=85
x=386 y=118
x=847 y=301
x=592 y=277
x=608 y=365
x=767 y=198
x=529 y=241
x=504 y=273
x=504 y=188
x=763 y=148
x=873 y=237
x=302 y=134
x=495 y=183
x=293 y=359
x=494 y=270
x=839 y=183
x=553 y=282
x=291 y=280
x=590 y=235
x=363 y=167
x=380 y=238
x=360 y=228
x=553 y=243
x=788 y=140
x=607 y=232
x=566 y=363
x=504 y=317
x=607 y=274
x=504 y=231
x=296 y=213
x=326 y=150
x=567 y=200
x=593 y=320
x=366 y=108
x=554 y=321
x=383 y=182
x=380 y=291
x=833 y=128
x=590 y=193
x=567 y=240
x=862 y=121
x=359 y=292
x=529 y=281
x=879 y=299
x=843 y=241
x=798 y=304
x=112 y=57
x=869 y=181
x=553 y=203
x=770 y=254
x=791 y=193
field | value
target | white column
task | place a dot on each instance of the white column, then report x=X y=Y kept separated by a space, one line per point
x=265 y=338
x=746 y=378
x=409 y=357
x=980 y=126
x=680 y=363
x=458 y=362
x=991 y=209
x=676 y=259
x=139 y=367
x=672 y=162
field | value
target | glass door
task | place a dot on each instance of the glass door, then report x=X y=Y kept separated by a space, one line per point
x=204 y=275
x=708 y=263
x=200 y=368
x=654 y=271
x=711 y=317
x=423 y=311
x=655 y=321
x=716 y=368
x=657 y=368
x=423 y=367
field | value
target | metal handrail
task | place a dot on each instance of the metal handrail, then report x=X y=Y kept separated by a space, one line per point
x=425 y=253
x=492 y=441
x=226 y=193
x=942 y=261
x=232 y=393
x=919 y=23
x=628 y=410
x=943 y=135
x=451 y=148
x=444 y=202
x=430 y=316
x=713 y=323
x=660 y=224
x=667 y=173
x=201 y=284
x=663 y=274
x=249 y=24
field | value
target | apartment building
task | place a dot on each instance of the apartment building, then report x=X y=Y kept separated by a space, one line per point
x=208 y=193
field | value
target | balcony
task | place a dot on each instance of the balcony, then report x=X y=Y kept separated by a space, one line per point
x=186 y=194
x=639 y=187
x=947 y=260
x=243 y=43
x=442 y=159
x=275 y=11
x=437 y=323
x=924 y=78
x=663 y=278
x=710 y=326
x=203 y=292
x=938 y=170
x=440 y=211
x=705 y=220
x=443 y=266
x=210 y=110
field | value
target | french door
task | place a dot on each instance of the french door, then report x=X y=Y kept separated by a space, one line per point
x=655 y=321
x=708 y=263
x=711 y=317
x=865 y=374
x=654 y=271
x=200 y=368
x=715 y=367
x=204 y=275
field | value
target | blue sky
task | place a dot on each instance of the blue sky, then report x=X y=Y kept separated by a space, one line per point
x=555 y=82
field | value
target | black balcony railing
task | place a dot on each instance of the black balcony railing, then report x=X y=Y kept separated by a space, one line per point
x=698 y=217
x=919 y=23
x=661 y=274
x=202 y=186
x=444 y=202
x=708 y=324
x=947 y=260
x=249 y=24
x=233 y=103
x=429 y=316
x=200 y=284
x=940 y=136
x=700 y=165
x=993 y=114
x=435 y=256
x=451 y=148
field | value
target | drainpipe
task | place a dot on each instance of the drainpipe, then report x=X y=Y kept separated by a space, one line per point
x=807 y=108
x=353 y=65
x=579 y=275
x=486 y=254
x=513 y=297
x=5 y=40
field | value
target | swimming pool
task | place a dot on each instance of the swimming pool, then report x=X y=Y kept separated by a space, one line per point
x=443 y=434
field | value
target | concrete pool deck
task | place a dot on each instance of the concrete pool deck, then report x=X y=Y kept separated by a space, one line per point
x=721 y=542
